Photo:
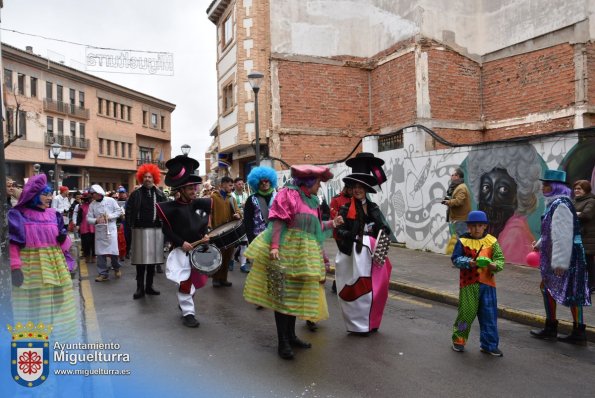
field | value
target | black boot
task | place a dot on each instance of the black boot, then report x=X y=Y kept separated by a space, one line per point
x=550 y=332
x=295 y=341
x=578 y=335
x=140 y=282
x=284 y=349
x=149 y=289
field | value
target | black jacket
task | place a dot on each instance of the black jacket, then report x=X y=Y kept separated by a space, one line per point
x=348 y=232
x=133 y=205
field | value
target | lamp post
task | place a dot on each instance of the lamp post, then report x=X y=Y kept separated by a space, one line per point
x=56 y=148
x=36 y=168
x=185 y=149
x=255 y=79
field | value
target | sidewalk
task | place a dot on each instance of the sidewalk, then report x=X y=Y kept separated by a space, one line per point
x=432 y=276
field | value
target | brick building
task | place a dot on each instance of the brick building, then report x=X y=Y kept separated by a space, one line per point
x=105 y=130
x=336 y=71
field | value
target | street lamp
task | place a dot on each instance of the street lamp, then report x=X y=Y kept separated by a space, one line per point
x=56 y=148
x=36 y=168
x=255 y=79
x=185 y=149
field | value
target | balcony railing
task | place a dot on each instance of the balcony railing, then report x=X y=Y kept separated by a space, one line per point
x=67 y=141
x=65 y=108
x=159 y=163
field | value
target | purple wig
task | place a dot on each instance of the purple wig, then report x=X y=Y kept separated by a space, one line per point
x=308 y=182
x=558 y=189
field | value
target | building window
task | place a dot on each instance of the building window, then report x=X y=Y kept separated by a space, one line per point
x=50 y=126
x=49 y=90
x=20 y=84
x=228 y=98
x=61 y=131
x=107 y=107
x=154 y=120
x=123 y=149
x=227 y=30
x=129 y=151
x=129 y=113
x=72 y=98
x=23 y=124
x=390 y=141
x=145 y=154
x=115 y=110
x=59 y=93
x=33 y=87
x=73 y=130
x=162 y=122
x=8 y=79
x=116 y=148
x=108 y=147
x=145 y=118
x=122 y=111
x=82 y=131
x=9 y=123
x=81 y=99
x=101 y=146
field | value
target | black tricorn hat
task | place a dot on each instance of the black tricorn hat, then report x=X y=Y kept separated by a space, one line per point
x=367 y=180
x=367 y=163
x=180 y=171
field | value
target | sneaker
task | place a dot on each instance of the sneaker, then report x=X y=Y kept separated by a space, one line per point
x=101 y=278
x=495 y=352
x=118 y=273
x=244 y=268
x=190 y=321
x=458 y=347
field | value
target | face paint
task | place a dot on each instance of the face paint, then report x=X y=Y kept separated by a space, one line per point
x=497 y=198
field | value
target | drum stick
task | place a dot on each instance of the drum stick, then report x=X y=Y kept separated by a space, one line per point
x=198 y=242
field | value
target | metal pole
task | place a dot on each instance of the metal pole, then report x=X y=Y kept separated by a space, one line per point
x=56 y=185
x=256 y=130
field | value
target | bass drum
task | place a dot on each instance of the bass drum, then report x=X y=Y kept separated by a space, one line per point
x=206 y=259
x=228 y=234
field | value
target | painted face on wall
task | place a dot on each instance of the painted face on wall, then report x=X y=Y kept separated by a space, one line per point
x=497 y=198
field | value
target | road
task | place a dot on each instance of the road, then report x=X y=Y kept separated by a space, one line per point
x=233 y=352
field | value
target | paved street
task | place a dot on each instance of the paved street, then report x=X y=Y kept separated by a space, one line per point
x=233 y=352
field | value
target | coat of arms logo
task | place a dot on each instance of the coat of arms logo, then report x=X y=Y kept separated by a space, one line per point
x=30 y=353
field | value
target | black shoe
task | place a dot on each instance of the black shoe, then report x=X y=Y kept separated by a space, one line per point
x=577 y=337
x=297 y=342
x=334 y=287
x=216 y=283
x=190 y=321
x=158 y=269
x=360 y=334
x=550 y=332
x=495 y=352
x=138 y=294
x=312 y=326
x=458 y=347
x=225 y=283
x=152 y=292
x=285 y=350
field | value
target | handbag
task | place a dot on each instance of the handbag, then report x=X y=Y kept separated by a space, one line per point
x=275 y=280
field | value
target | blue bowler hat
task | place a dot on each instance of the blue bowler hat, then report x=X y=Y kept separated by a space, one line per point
x=554 y=176
x=477 y=217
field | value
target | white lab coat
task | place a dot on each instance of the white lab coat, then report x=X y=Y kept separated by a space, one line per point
x=106 y=235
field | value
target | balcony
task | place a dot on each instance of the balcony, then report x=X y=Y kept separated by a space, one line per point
x=159 y=163
x=67 y=141
x=49 y=105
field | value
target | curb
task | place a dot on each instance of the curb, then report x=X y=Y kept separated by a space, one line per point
x=504 y=312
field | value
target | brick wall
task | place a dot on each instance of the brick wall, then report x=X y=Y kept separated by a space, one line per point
x=535 y=82
x=454 y=86
x=590 y=48
x=527 y=129
x=305 y=148
x=393 y=93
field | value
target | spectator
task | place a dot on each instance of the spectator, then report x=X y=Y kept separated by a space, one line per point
x=584 y=203
x=458 y=202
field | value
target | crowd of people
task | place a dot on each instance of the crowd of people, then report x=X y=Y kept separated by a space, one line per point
x=276 y=236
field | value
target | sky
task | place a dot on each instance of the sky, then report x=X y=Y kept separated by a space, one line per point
x=180 y=27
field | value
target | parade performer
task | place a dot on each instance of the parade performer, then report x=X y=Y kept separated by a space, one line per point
x=479 y=256
x=224 y=210
x=362 y=284
x=103 y=213
x=185 y=221
x=562 y=261
x=337 y=202
x=288 y=266
x=40 y=261
x=240 y=196
x=147 y=237
x=86 y=230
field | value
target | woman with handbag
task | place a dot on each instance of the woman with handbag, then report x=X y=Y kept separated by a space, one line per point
x=288 y=265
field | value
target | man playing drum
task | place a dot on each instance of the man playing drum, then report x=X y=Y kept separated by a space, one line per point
x=185 y=222
x=223 y=211
x=147 y=238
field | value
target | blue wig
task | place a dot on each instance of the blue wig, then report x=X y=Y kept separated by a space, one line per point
x=558 y=189
x=262 y=173
x=36 y=201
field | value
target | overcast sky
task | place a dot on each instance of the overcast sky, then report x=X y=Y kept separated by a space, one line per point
x=180 y=27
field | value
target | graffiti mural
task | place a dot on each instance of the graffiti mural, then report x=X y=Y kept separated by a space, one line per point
x=503 y=179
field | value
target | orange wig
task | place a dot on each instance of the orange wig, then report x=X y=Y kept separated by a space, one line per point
x=148 y=168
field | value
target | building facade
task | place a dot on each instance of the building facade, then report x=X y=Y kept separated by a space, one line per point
x=105 y=130
x=471 y=71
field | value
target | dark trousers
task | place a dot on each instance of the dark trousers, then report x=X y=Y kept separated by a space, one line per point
x=226 y=256
x=88 y=244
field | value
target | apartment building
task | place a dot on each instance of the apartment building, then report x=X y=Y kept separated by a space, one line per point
x=105 y=131
x=337 y=71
